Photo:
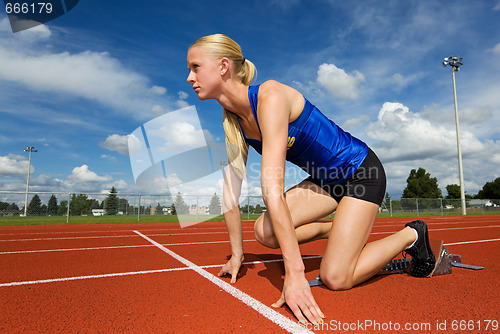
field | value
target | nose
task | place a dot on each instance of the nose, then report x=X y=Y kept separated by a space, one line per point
x=190 y=78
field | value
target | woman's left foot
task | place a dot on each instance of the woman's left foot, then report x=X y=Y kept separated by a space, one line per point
x=423 y=259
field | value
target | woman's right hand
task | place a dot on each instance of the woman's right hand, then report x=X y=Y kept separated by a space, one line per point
x=297 y=295
x=232 y=267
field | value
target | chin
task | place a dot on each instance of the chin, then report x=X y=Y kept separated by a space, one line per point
x=202 y=97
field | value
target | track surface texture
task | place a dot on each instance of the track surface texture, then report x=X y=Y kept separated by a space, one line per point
x=161 y=278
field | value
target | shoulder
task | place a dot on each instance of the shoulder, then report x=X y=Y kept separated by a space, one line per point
x=270 y=87
x=274 y=90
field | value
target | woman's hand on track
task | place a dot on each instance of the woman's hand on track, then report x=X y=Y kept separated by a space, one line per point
x=232 y=267
x=298 y=296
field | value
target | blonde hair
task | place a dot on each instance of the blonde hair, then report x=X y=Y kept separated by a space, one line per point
x=221 y=46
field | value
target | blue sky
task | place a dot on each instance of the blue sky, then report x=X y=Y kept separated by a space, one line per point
x=77 y=87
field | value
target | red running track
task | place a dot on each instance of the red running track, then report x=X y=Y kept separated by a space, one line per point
x=160 y=278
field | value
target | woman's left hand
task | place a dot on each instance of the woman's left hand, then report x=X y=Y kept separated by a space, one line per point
x=298 y=296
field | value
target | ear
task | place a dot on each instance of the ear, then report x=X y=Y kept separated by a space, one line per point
x=224 y=65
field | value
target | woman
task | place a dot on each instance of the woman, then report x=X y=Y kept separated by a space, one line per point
x=346 y=178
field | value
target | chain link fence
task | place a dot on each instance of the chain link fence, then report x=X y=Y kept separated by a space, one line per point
x=59 y=207
x=438 y=206
x=49 y=207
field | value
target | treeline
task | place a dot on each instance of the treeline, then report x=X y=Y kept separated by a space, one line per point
x=79 y=205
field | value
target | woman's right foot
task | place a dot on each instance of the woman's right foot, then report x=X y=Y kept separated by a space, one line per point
x=423 y=259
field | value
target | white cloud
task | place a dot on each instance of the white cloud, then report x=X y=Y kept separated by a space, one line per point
x=403 y=135
x=106 y=156
x=355 y=122
x=118 y=184
x=157 y=109
x=95 y=76
x=180 y=136
x=88 y=74
x=183 y=95
x=14 y=165
x=496 y=49
x=158 y=90
x=116 y=143
x=400 y=79
x=83 y=174
x=182 y=104
x=338 y=83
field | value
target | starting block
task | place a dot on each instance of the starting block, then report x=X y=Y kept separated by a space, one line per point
x=444 y=263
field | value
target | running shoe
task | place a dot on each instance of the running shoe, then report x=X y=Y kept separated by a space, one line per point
x=423 y=259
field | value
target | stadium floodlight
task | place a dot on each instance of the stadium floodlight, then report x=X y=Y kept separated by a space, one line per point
x=455 y=63
x=28 y=149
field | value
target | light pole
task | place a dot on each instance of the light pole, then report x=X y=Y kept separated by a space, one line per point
x=28 y=149
x=455 y=63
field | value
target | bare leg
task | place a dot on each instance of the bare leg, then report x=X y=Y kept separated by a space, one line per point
x=347 y=261
x=307 y=203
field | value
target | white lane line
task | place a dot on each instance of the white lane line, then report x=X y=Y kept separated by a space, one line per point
x=223 y=228
x=470 y=242
x=71 y=249
x=114 y=247
x=211 y=233
x=75 y=278
x=115 y=236
x=445 y=229
x=143 y=272
x=266 y=311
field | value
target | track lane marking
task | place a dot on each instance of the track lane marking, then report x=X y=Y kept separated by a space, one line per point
x=76 y=278
x=211 y=233
x=470 y=242
x=131 y=273
x=276 y=317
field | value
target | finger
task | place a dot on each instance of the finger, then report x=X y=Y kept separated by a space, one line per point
x=310 y=310
x=298 y=313
x=222 y=272
x=315 y=308
x=279 y=303
x=234 y=275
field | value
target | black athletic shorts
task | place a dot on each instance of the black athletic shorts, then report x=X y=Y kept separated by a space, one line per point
x=368 y=183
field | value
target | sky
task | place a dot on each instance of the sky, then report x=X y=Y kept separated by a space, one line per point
x=79 y=87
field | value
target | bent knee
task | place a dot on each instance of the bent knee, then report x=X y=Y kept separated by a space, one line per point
x=337 y=281
x=265 y=236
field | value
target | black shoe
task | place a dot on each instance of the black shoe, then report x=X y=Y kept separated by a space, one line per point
x=423 y=259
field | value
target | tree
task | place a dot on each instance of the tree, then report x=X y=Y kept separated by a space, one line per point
x=259 y=209
x=63 y=208
x=215 y=207
x=52 y=207
x=80 y=205
x=111 y=203
x=181 y=207
x=453 y=191
x=420 y=184
x=159 y=210
x=13 y=207
x=491 y=190
x=35 y=206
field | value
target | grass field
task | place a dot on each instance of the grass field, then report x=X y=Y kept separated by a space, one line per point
x=121 y=219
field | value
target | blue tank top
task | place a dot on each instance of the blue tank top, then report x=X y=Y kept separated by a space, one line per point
x=316 y=144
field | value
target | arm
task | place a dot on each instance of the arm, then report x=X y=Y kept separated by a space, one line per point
x=275 y=106
x=231 y=209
